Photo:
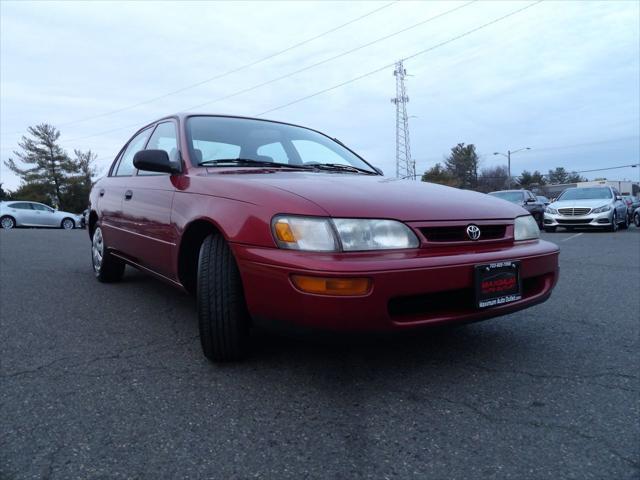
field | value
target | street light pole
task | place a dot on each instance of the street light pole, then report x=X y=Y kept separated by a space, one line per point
x=509 y=169
x=508 y=157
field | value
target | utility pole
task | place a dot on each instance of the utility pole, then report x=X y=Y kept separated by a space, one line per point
x=405 y=166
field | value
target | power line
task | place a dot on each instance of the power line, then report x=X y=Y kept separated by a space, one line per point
x=295 y=72
x=330 y=59
x=421 y=52
x=585 y=144
x=228 y=72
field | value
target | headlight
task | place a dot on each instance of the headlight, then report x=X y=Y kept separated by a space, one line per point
x=526 y=228
x=553 y=211
x=304 y=233
x=374 y=234
x=604 y=208
x=343 y=234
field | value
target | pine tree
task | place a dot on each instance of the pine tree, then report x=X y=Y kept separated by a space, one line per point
x=47 y=164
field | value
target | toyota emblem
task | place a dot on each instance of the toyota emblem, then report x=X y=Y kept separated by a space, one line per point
x=473 y=232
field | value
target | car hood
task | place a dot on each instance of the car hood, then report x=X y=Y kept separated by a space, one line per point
x=590 y=203
x=362 y=196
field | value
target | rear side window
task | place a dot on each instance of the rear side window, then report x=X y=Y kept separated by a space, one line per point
x=20 y=206
x=125 y=166
x=163 y=138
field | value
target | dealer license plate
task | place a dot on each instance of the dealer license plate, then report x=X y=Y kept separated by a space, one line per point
x=497 y=284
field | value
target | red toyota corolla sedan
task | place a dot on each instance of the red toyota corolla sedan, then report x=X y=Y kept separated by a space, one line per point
x=269 y=221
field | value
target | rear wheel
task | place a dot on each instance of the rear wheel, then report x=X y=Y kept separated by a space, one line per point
x=222 y=312
x=7 y=222
x=106 y=267
x=636 y=219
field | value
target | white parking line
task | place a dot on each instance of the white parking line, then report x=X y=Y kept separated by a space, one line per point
x=572 y=236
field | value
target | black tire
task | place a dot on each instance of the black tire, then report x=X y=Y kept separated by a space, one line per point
x=67 y=223
x=8 y=222
x=614 y=223
x=107 y=268
x=550 y=229
x=539 y=218
x=223 y=318
x=636 y=219
x=625 y=225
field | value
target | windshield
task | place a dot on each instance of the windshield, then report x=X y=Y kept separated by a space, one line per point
x=515 y=197
x=214 y=139
x=585 y=194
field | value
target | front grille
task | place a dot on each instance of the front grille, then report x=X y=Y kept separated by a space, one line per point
x=573 y=221
x=573 y=212
x=458 y=233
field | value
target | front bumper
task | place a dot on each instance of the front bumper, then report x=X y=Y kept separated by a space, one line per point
x=410 y=289
x=595 y=220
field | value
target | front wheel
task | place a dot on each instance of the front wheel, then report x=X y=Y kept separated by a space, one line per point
x=223 y=318
x=106 y=267
x=614 y=223
x=7 y=222
x=636 y=219
x=624 y=225
x=67 y=224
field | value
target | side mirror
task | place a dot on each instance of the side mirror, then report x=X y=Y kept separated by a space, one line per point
x=155 y=161
x=529 y=200
x=618 y=197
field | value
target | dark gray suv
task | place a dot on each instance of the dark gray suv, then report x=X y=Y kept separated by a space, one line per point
x=526 y=199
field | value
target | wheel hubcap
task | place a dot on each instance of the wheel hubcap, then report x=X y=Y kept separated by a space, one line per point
x=67 y=224
x=97 y=249
x=7 y=223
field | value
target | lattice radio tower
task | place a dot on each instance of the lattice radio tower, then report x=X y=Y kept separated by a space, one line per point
x=405 y=166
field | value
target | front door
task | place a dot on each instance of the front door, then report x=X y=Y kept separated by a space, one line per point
x=147 y=206
x=45 y=216
x=111 y=193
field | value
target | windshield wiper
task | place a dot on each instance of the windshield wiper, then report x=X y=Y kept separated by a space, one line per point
x=339 y=167
x=249 y=162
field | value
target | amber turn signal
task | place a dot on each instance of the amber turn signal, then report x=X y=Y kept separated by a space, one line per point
x=332 y=285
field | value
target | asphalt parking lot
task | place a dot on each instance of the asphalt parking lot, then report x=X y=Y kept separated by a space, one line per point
x=108 y=381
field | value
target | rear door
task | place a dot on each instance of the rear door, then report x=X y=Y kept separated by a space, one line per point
x=111 y=192
x=23 y=213
x=147 y=207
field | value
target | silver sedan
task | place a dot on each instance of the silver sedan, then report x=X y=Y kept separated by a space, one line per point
x=32 y=214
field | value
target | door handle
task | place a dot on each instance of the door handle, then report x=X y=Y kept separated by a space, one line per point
x=128 y=194
x=101 y=192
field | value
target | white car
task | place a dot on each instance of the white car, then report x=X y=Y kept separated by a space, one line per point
x=19 y=213
x=588 y=207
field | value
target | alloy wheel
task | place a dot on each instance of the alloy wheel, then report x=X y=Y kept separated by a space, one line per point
x=97 y=249
x=67 y=224
x=7 y=223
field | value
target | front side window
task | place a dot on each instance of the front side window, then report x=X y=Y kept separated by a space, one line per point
x=213 y=139
x=42 y=208
x=163 y=138
x=125 y=167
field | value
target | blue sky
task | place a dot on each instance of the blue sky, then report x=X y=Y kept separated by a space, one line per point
x=560 y=77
